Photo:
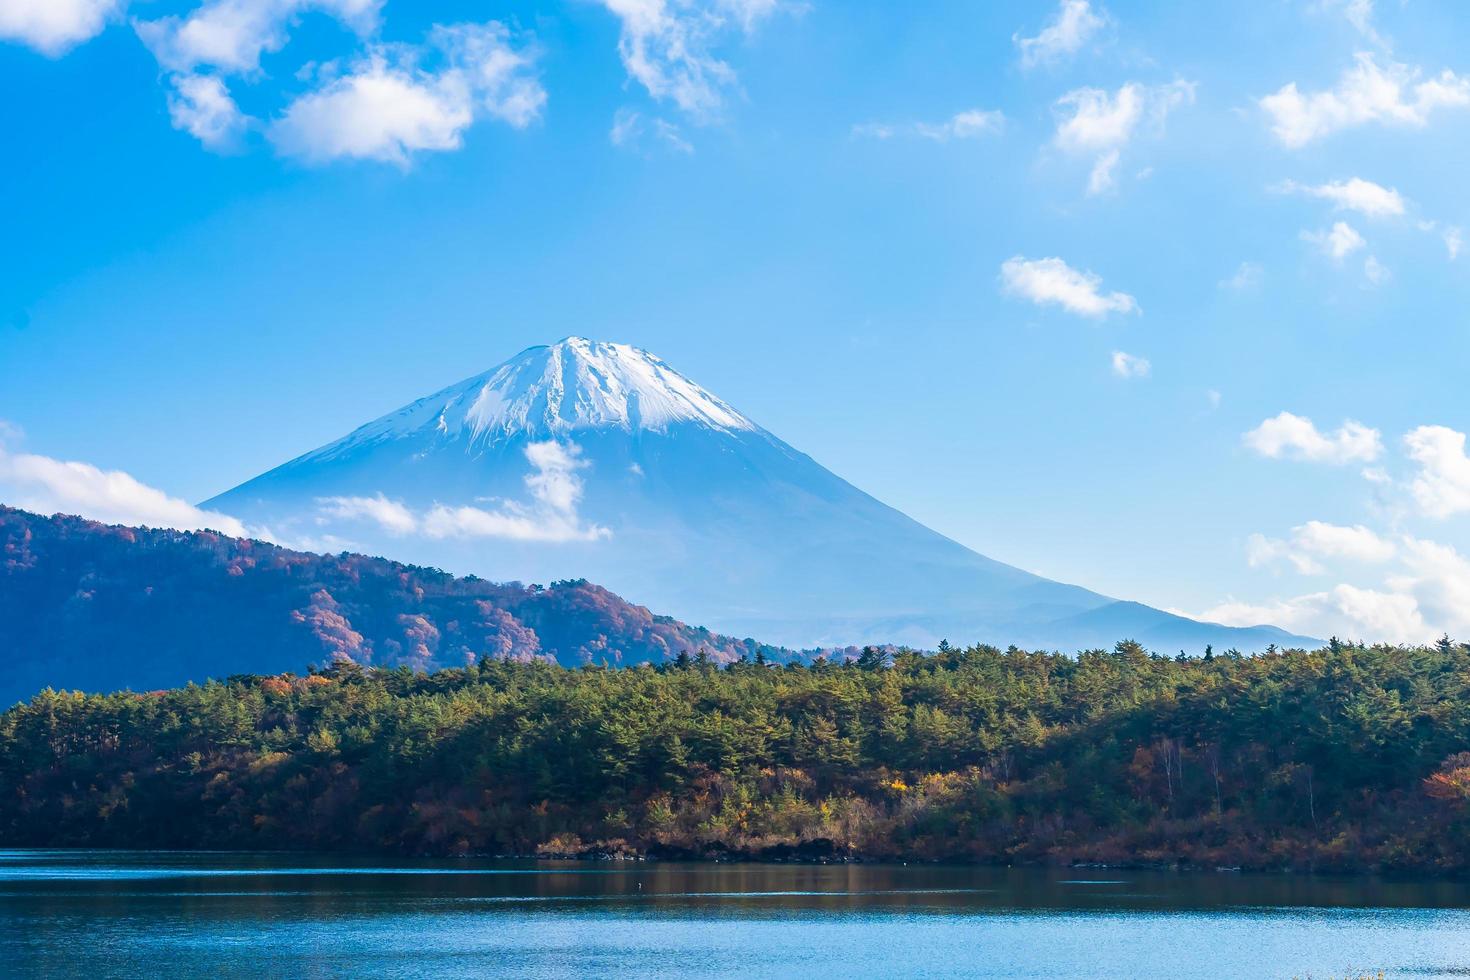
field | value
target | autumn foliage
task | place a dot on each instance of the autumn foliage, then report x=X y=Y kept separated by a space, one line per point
x=1347 y=758
x=91 y=606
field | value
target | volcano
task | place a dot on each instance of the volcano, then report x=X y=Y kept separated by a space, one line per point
x=595 y=460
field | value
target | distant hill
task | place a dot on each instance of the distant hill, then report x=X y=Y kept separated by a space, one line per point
x=97 y=607
x=599 y=460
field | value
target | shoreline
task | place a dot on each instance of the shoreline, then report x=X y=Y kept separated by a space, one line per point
x=1391 y=876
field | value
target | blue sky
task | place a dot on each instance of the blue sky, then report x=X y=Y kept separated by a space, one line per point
x=1043 y=276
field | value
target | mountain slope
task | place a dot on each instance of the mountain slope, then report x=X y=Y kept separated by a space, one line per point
x=98 y=607
x=599 y=460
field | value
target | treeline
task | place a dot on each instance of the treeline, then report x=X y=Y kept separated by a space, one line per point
x=1347 y=758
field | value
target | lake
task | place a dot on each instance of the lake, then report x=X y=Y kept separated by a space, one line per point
x=152 y=914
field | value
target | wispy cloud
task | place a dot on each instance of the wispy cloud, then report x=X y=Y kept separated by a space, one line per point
x=630 y=130
x=201 y=106
x=669 y=48
x=962 y=125
x=1337 y=242
x=390 y=515
x=1074 y=24
x=231 y=35
x=1249 y=275
x=555 y=489
x=1050 y=281
x=1127 y=365
x=1453 y=241
x=1099 y=124
x=1358 y=13
x=1354 y=194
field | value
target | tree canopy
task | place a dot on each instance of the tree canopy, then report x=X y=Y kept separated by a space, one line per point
x=1350 y=757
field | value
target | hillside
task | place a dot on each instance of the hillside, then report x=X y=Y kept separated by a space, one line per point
x=1345 y=759
x=98 y=607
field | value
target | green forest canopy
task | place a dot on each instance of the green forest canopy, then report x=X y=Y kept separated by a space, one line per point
x=1346 y=758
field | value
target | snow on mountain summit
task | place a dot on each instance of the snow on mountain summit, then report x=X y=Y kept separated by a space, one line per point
x=554 y=390
x=597 y=461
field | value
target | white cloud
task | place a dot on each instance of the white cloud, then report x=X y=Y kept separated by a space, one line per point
x=201 y=106
x=670 y=135
x=1359 y=13
x=1425 y=591
x=1393 y=94
x=1355 y=543
x=231 y=35
x=1375 y=272
x=391 y=515
x=962 y=125
x=1380 y=615
x=749 y=12
x=1289 y=436
x=378 y=113
x=556 y=489
x=1442 y=486
x=968 y=124
x=1100 y=121
x=54 y=27
x=554 y=486
x=1338 y=242
x=1344 y=610
x=665 y=46
x=1100 y=177
x=1453 y=242
x=1065 y=34
x=553 y=479
x=1425 y=595
x=1248 y=276
x=627 y=126
x=1261 y=551
x=1096 y=123
x=50 y=486
x=1128 y=366
x=389 y=106
x=875 y=131
x=1354 y=194
x=1315 y=541
x=1052 y=281
x=629 y=129
x=1438 y=577
x=1214 y=398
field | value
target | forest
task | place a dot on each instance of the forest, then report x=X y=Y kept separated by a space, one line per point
x=1348 y=758
x=102 y=607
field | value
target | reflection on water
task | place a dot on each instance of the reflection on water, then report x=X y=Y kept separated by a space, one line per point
x=110 y=913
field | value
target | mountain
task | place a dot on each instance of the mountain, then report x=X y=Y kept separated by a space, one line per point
x=598 y=460
x=99 y=607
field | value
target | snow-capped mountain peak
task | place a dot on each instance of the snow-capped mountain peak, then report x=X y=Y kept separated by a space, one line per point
x=550 y=391
x=595 y=460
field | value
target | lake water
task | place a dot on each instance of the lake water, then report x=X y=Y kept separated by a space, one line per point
x=158 y=914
